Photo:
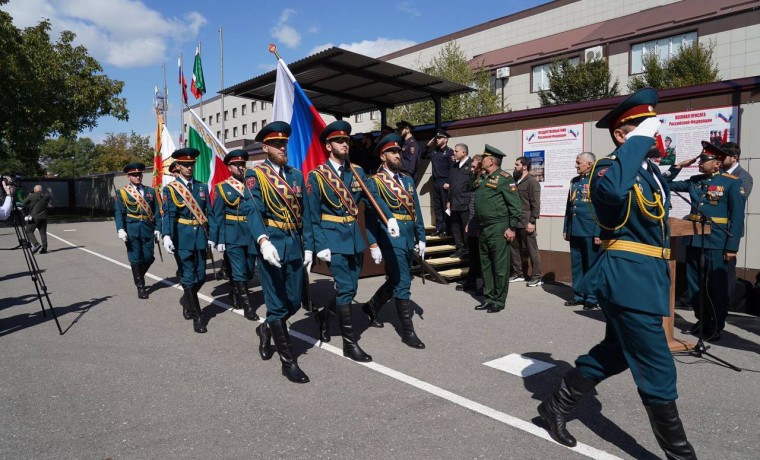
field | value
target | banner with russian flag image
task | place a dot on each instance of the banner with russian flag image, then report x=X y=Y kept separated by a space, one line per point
x=291 y=105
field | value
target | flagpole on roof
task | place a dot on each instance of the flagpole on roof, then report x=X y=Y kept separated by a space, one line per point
x=182 y=104
x=221 y=84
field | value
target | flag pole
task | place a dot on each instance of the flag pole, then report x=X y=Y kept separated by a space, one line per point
x=181 y=106
x=165 y=105
x=200 y=54
x=221 y=84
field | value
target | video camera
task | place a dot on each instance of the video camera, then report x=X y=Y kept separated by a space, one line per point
x=11 y=180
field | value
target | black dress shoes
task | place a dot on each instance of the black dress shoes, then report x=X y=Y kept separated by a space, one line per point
x=493 y=308
x=483 y=306
x=573 y=303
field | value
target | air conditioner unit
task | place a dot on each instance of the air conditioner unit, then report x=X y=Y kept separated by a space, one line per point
x=594 y=53
x=502 y=72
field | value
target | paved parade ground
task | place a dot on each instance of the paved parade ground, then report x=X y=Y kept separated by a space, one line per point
x=130 y=378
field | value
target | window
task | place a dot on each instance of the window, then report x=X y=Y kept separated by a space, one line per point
x=254 y=127
x=665 y=48
x=217 y=118
x=245 y=130
x=234 y=112
x=263 y=105
x=263 y=122
x=185 y=130
x=234 y=132
x=374 y=115
x=226 y=115
x=253 y=107
x=358 y=117
x=541 y=76
x=219 y=135
x=244 y=109
x=226 y=134
x=210 y=119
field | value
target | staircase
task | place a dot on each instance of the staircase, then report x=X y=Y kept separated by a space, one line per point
x=438 y=264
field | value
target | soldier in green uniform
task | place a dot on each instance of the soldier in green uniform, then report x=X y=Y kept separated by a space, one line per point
x=229 y=229
x=186 y=207
x=630 y=279
x=497 y=206
x=397 y=190
x=718 y=196
x=331 y=229
x=138 y=222
x=276 y=222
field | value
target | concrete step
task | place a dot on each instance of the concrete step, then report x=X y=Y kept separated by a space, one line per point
x=454 y=273
x=438 y=249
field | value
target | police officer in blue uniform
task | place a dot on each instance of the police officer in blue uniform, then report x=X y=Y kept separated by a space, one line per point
x=398 y=192
x=410 y=149
x=138 y=221
x=718 y=196
x=581 y=230
x=331 y=229
x=276 y=222
x=186 y=209
x=630 y=278
x=229 y=229
x=440 y=155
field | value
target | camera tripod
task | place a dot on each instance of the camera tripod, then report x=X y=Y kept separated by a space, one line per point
x=33 y=267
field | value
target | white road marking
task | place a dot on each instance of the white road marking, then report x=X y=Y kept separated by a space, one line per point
x=461 y=401
x=519 y=365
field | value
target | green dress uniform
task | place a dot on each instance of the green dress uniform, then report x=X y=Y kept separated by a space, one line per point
x=631 y=280
x=497 y=206
x=139 y=223
x=398 y=192
x=719 y=197
x=581 y=228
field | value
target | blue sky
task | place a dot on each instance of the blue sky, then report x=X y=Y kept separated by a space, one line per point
x=132 y=39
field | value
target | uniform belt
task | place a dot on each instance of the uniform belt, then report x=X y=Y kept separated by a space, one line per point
x=236 y=218
x=402 y=216
x=338 y=219
x=280 y=225
x=697 y=218
x=138 y=216
x=636 y=248
x=184 y=221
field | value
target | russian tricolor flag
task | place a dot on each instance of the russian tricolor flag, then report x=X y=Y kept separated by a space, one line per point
x=305 y=151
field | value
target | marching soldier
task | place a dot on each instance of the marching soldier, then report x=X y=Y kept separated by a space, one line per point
x=332 y=231
x=497 y=206
x=138 y=222
x=397 y=190
x=275 y=221
x=718 y=195
x=631 y=280
x=185 y=221
x=229 y=229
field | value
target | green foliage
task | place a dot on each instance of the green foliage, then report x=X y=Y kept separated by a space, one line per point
x=50 y=88
x=119 y=149
x=65 y=157
x=451 y=64
x=583 y=81
x=692 y=66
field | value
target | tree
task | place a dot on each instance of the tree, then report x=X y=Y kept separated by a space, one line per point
x=65 y=157
x=693 y=65
x=50 y=89
x=575 y=82
x=451 y=64
x=119 y=149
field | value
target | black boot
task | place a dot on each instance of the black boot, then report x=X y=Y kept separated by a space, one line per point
x=265 y=341
x=194 y=308
x=407 y=328
x=668 y=430
x=351 y=347
x=322 y=317
x=185 y=306
x=241 y=293
x=372 y=308
x=233 y=297
x=281 y=339
x=555 y=409
x=139 y=281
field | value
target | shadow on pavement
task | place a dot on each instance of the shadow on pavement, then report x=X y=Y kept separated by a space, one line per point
x=23 y=321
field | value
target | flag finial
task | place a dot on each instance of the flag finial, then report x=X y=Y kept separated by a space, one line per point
x=273 y=50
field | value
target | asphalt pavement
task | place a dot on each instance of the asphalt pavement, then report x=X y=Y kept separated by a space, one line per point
x=130 y=379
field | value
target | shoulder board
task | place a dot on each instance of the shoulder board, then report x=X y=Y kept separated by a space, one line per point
x=505 y=174
x=730 y=175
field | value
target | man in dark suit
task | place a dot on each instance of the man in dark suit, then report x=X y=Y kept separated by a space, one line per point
x=525 y=244
x=631 y=280
x=37 y=203
x=459 y=191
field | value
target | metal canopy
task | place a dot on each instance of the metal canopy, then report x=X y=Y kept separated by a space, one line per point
x=344 y=83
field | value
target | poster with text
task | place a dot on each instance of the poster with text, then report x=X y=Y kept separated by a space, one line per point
x=682 y=134
x=552 y=151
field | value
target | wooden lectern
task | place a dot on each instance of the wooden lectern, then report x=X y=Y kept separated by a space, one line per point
x=678 y=229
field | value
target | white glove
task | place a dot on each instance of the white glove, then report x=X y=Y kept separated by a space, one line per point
x=377 y=255
x=220 y=247
x=269 y=253
x=168 y=245
x=308 y=259
x=212 y=245
x=420 y=248
x=157 y=234
x=393 y=229
x=28 y=218
x=122 y=235
x=324 y=255
x=647 y=128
